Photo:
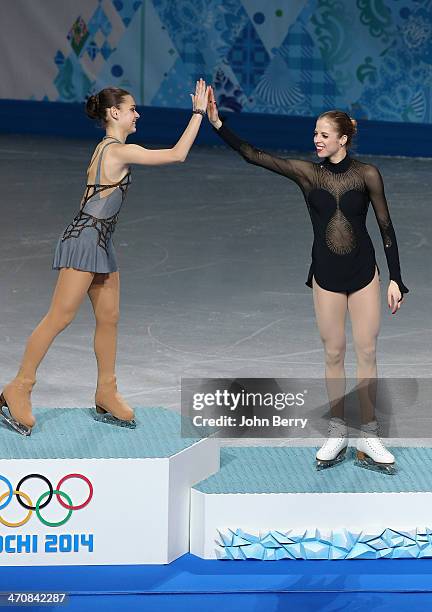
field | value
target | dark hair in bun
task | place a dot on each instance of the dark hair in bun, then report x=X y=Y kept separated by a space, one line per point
x=343 y=122
x=97 y=104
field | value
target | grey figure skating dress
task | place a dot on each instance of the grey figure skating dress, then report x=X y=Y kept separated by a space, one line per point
x=86 y=243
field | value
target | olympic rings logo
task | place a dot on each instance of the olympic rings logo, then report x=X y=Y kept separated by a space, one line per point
x=28 y=505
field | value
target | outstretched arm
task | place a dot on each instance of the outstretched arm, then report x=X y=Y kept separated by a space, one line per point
x=295 y=169
x=135 y=154
x=375 y=187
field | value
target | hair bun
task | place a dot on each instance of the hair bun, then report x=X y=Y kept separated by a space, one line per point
x=97 y=104
x=92 y=107
x=354 y=124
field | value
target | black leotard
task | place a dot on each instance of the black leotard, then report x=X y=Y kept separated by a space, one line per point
x=337 y=197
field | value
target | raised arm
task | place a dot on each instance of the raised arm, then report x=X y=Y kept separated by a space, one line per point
x=375 y=187
x=298 y=170
x=135 y=154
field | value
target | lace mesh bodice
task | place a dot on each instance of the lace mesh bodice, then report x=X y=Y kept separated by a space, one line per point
x=337 y=196
x=339 y=233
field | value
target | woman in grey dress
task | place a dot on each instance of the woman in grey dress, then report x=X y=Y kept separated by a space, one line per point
x=86 y=260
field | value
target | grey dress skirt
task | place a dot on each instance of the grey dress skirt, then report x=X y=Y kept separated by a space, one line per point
x=86 y=243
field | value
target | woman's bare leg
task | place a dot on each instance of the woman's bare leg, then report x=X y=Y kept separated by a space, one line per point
x=104 y=294
x=69 y=292
x=330 y=312
x=365 y=311
x=364 y=307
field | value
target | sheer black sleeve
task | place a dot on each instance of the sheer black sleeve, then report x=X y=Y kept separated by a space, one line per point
x=297 y=170
x=375 y=187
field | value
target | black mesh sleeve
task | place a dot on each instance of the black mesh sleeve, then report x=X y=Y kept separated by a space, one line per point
x=375 y=187
x=297 y=170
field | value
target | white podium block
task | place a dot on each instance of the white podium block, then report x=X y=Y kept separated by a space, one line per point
x=269 y=503
x=124 y=494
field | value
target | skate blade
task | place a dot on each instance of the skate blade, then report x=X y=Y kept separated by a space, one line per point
x=103 y=416
x=7 y=418
x=323 y=465
x=369 y=464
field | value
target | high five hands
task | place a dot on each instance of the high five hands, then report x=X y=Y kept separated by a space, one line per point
x=204 y=99
x=200 y=98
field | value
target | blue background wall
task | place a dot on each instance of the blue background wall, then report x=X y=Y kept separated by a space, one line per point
x=296 y=58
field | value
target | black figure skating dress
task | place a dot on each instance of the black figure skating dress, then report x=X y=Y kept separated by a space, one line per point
x=86 y=243
x=337 y=197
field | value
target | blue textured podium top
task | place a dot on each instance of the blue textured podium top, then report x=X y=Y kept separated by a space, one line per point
x=266 y=469
x=72 y=433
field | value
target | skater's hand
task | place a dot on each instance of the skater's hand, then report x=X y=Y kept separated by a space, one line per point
x=199 y=100
x=394 y=297
x=212 y=110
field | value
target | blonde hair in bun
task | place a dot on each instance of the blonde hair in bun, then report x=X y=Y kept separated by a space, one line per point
x=343 y=122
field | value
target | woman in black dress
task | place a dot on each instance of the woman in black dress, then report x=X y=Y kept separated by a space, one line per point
x=343 y=274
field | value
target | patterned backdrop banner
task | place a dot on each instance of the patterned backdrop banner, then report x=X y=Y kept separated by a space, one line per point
x=372 y=58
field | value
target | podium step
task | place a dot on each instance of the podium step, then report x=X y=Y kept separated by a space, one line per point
x=81 y=492
x=270 y=503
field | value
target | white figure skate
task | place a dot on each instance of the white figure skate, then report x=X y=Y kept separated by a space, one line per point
x=333 y=450
x=371 y=452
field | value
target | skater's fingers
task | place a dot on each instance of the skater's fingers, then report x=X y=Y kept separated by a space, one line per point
x=394 y=299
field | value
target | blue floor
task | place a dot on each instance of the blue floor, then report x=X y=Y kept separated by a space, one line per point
x=190 y=583
x=316 y=602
